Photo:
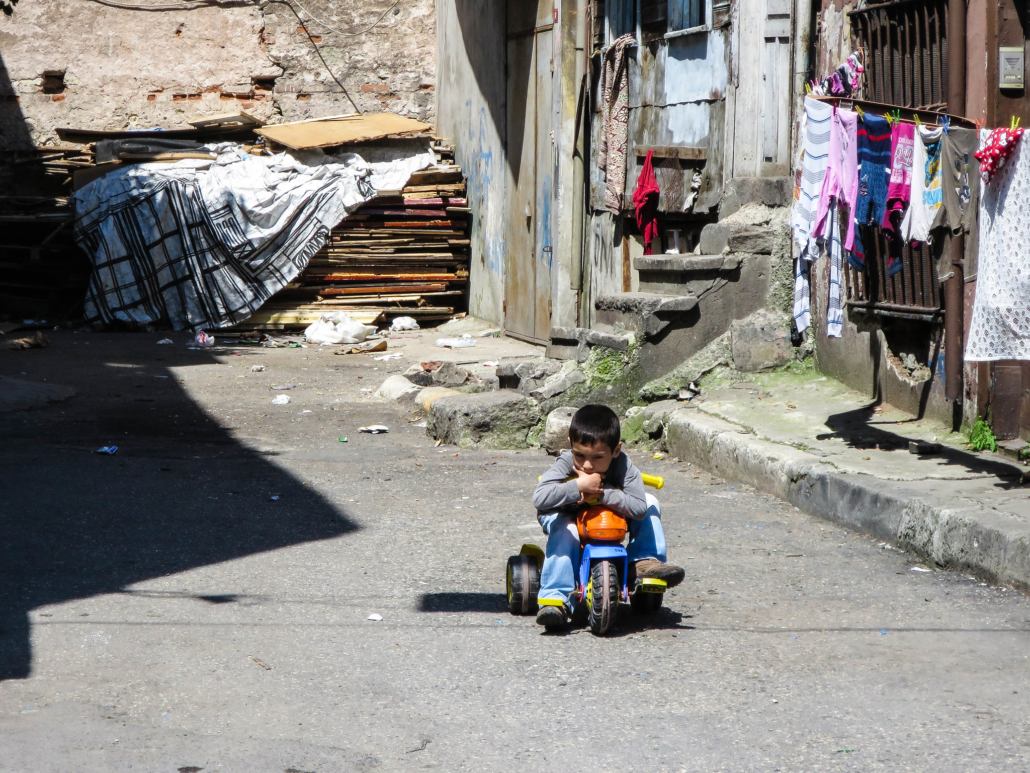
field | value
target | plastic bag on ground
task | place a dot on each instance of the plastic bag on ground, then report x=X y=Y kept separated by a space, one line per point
x=456 y=343
x=337 y=327
x=404 y=323
x=203 y=339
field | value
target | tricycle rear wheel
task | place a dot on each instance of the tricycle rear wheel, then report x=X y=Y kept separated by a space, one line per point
x=523 y=584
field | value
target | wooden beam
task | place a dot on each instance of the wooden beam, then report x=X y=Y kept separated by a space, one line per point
x=682 y=152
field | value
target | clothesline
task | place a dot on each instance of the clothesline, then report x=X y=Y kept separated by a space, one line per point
x=907 y=114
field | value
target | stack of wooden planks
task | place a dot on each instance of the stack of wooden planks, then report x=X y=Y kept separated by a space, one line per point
x=404 y=253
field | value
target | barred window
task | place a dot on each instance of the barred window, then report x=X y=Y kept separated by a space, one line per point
x=905 y=52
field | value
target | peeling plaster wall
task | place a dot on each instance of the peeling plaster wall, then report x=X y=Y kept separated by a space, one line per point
x=472 y=94
x=136 y=69
x=834 y=37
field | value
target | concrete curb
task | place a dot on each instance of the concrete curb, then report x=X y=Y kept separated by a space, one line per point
x=957 y=534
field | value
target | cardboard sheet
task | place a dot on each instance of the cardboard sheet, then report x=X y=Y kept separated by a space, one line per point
x=341 y=130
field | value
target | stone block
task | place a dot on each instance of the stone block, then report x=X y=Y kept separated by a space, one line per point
x=556 y=430
x=398 y=389
x=717 y=238
x=450 y=375
x=760 y=342
x=557 y=386
x=498 y=420
x=537 y=369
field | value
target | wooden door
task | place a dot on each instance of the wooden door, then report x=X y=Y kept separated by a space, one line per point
x=528 y=238
x=776 y=84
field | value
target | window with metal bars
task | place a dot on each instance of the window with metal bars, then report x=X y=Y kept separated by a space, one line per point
x=900 y=282
x=904 y=47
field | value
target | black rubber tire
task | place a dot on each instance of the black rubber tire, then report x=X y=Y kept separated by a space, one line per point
x=523 y=584
x=646 y=603
x=603 y=596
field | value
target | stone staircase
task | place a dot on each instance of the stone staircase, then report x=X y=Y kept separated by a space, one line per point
x=684 y=301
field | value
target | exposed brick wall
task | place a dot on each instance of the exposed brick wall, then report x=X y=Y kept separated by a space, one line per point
x=86 y=65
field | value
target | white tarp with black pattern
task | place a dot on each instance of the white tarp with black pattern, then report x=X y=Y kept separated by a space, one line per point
x=203 y=244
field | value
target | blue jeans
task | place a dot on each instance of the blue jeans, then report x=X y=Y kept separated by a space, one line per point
x=561 y=561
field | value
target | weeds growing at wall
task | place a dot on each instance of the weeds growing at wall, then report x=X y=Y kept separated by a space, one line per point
x=981 y=438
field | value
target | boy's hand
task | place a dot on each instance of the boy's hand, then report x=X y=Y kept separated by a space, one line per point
x=588 y=484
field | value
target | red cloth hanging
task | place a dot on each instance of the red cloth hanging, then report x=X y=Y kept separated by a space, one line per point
x=645 y=200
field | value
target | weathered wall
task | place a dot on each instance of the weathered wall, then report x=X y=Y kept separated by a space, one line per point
x=126 y=69
x=471 y=107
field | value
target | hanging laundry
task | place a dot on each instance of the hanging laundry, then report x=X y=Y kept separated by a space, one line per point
x=899 y=188
x=926 y=193
x=813 y=171
x=1000 y=324
x=611 y=151
x=874 y=159
x=645 y=201
x=841 y=181
x=833 y=246
x=846 y=80
x=960 y=190
x=993 y=151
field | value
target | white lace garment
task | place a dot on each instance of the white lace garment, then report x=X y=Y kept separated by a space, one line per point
x=1000 y=327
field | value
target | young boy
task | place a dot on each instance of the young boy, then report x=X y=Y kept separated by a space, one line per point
x=602 y=472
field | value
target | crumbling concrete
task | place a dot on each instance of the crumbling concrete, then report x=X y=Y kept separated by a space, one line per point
x=501 y=419
x=93 y=66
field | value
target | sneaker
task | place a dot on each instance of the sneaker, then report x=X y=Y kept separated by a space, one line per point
x=552 y=617
x=652 y=567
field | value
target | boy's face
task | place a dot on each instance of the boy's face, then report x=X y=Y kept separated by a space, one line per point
x=596 y=458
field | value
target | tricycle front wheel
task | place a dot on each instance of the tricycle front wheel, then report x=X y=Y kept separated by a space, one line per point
x=602 y=596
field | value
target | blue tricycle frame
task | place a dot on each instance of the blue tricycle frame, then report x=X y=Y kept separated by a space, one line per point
x=594 y=552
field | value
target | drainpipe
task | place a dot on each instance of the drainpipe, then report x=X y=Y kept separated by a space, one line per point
x=953 y=287
x=578 y=161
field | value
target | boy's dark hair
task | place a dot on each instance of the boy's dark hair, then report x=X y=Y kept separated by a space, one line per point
x=593 y=424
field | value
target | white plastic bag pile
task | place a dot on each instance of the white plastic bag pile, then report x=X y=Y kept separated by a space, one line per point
x=404 y=323
x=337 y=327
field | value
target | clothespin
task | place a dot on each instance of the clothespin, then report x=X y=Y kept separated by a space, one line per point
x=979 y=124
x=918 y=122
x=1013 y=123
x=808 y=89
x=946 y=123
x=861 y=112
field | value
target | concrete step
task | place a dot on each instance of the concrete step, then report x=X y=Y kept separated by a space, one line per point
x=686 y=264
x=573 y=343
x=644 y=314
x=682 y=274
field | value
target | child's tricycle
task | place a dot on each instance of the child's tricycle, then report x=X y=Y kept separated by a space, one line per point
x=605 y=572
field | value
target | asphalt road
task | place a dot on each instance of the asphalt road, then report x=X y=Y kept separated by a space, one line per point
x=199 y=600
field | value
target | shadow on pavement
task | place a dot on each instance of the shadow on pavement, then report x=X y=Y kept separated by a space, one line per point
x=858 y=430
x=180 y=493
x=462 y=602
